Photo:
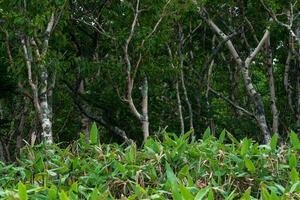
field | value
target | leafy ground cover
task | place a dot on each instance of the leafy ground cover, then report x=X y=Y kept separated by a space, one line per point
x=166 y=167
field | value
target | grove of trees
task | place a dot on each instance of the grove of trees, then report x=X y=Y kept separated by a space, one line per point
x=138 y=67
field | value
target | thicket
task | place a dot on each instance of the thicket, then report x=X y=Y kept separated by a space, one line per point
x=165 y=167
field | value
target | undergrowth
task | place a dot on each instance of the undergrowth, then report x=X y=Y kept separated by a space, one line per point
x=168 y=168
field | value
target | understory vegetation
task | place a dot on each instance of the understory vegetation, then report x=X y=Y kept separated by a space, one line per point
x=165 y=167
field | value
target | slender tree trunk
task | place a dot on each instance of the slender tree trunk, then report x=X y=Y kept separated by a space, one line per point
x=40 y=92
x=258 y=104
x=2 y=157
x=275 y=112
x=85 y=121
x=286 y=80
x=44 y=105
x=144 y=118
x=298 y=100
x=179 y=105
x=187 y=100
x=208 y=108
x=186 y=97
x=244 y=65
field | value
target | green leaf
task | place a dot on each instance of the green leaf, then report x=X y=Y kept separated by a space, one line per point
x=95 y=194
x=94 y=134
x=63 y=196
x=293 y=161
x=249 y=165
x=274 y=141
x=188 y=134
x=222 y=136
x=265 y=194
x=294 y=176
x=173 y=182
x=22 y=191
x=74 y=191
x=232 y=138
x=245 y=146
x=52 y=193
x=294 y=140
x=294 y=187
x=274 y=196
x=247 y=194
x=202 y=193
x=185 y=193
x=207 y=134
x=211 y=194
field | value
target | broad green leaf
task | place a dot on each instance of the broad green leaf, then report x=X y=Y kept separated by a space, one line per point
x=52 y=193
x=185 y=193
x=207 y=134
x=245 y=146
x=222 y=136
x=249 y=165
x=173 y=182
x=274 y=141
x=63 y=196
x=265 y=194
x=231 y=195
x=292 y=161
x=274 y=196
x=22 y=191
x=295 y=140
x=170 y=175
x=294 y=176
x=202 y=193
x=295 y=186
x=232 y=138
x=184 y=172
x=188 y=134
x=211 y=194
x=73 y=193
x=95 y=194
x=94 y=134
x=246 y=195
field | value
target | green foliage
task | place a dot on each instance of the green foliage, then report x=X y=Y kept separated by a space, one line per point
x=94 y=134
x=169 y=168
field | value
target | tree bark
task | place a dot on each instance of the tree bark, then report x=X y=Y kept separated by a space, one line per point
x=186 y=97
x=244 y=65
x=40 y=96
x=179 y=107
x=275 y=112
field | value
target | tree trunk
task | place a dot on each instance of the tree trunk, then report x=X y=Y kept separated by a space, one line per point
x=144 y=118
x=271 y=81
x=179 y=107
x=85 y=121
x=45 y=108
x=298 y=101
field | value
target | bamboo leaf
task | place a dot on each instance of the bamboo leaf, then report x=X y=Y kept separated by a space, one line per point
x=22 y=191
x=94 y=134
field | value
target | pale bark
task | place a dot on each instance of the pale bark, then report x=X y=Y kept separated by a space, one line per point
x=40 y=96
x=179 y=104
x=298 y=102
x=131 y=71
x=2 y=157
x=286 y=80
x=186 y=97
x=244 y=65
x=145 y=118
x=85 y=121
x=275 y=112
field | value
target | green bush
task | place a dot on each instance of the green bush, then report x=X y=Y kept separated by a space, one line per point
x=167 y=168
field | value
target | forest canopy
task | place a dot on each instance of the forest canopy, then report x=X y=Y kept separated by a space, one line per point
x=140 y=67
